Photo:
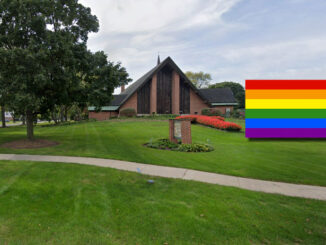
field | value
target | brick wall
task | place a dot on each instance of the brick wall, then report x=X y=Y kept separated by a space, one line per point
x=186 y=132
x=175 y=93
x=223 y=108
x=171 y=131
x=196 y=103
x=101 y=116
x=153 y=100
x=130 y=103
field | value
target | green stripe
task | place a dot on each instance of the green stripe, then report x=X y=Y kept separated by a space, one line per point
x=285 y=113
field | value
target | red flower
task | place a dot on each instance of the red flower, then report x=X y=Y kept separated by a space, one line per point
x=214 y=121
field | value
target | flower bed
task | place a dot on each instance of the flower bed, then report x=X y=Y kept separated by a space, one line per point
x=165 y=144
x=218 y=117
x=215 y=122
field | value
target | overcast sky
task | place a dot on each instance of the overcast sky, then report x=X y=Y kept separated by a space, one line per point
x=233 y=40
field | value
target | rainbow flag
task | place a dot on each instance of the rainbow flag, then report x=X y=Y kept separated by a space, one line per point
x=286 y=108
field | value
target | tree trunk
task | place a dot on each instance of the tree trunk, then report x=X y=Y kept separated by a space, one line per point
x=54 y=117
x=30 y=125
x=62 y=119
x=66 y=113
x=3 y=116
x=24 y=119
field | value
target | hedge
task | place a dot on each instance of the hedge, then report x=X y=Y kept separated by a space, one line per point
x=128 y=112
x=211 y=112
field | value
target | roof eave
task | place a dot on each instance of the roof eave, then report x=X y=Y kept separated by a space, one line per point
x=214 y=104
x=104 y=108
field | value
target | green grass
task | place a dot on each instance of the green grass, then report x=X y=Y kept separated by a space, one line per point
x=296 y=161
x=53 y=203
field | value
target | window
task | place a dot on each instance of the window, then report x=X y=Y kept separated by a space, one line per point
x=227 y=112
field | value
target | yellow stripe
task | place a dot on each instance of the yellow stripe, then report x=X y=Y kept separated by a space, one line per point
x=285 y=94
x=286 y=104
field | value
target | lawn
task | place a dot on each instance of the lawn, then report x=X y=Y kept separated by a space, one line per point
x=296 y=161
x=53 y=203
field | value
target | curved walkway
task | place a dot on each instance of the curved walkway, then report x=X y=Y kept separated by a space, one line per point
x=296 y=190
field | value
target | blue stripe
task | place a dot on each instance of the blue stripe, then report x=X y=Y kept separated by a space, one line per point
x=286 y=123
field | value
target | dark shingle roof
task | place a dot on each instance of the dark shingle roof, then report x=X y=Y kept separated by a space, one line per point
x=117 y=99
x=133 y=87
x=218 y=95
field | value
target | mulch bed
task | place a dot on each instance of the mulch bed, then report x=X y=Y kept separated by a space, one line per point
x=29 y=144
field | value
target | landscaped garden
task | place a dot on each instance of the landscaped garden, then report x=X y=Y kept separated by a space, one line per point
x=294 y=161
x=55 y=203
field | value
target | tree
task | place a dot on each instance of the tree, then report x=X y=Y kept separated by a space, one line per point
x=199 y=79
x=43 y=52
x=237 y=89
x=3 y=100
x=3 y=119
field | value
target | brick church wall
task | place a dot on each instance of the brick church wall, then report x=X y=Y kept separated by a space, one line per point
x=153 y=94
x=223 y=108
x=103 y=115
x=196 y=103
x=175 y=93
x=130 y=103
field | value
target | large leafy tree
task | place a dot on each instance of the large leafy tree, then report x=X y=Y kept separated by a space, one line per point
x=237 y=89
x=199 y=79
x=44 y=61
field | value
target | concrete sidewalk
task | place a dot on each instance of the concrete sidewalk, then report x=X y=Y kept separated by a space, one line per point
x=295 y=190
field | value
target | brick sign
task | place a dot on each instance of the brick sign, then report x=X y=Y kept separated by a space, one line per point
x=180 y=130
x=177 y=129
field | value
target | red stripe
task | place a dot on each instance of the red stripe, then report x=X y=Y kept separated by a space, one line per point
x=285 y=84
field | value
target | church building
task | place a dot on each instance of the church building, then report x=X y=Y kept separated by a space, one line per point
x=165 y=89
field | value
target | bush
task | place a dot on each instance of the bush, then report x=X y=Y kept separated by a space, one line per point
x=128 y=112
x=239 y=113
x=213 y=122
x=211 y=112
x=195 y=148
x=162 y=144
x=165 y=144
x=235 y=114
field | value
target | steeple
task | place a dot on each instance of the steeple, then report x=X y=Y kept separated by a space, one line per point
x=158 y=59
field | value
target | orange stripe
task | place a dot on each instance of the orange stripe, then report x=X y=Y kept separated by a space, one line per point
x=286 y=94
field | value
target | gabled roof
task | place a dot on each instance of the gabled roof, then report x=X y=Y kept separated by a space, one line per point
x=219 y=96
x=141 y=81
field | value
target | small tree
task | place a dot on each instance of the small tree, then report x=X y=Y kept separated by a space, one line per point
x=199 y=79
x=237 y=89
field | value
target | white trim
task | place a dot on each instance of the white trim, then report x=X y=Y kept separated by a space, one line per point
x=224 y=103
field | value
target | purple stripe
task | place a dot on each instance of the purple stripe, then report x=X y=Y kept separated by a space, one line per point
x=286 y=132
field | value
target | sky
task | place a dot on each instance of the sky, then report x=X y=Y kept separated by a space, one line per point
x=233 y=40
